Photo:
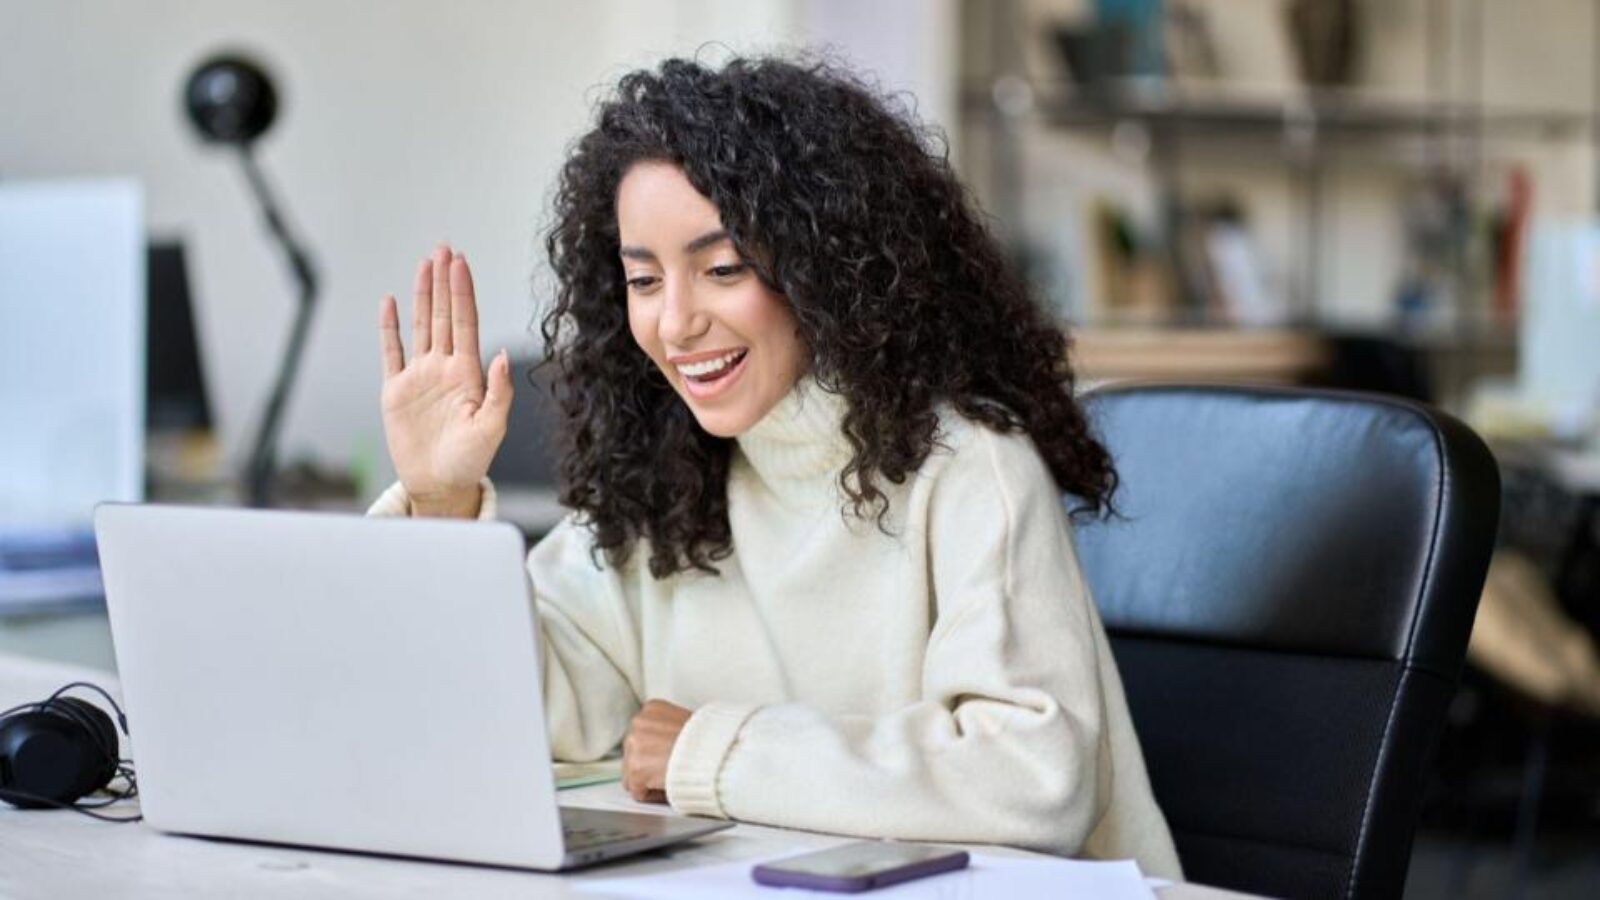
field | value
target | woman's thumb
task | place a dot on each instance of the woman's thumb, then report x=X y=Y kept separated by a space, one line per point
x=497 y=395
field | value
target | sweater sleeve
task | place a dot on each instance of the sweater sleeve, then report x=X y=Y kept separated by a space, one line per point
x=588 y=642
x=395 y=502
x=1009 y=741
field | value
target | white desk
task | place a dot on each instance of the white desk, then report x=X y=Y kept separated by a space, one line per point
x=63 y=854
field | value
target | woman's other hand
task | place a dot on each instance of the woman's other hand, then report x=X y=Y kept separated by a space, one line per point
x=442 y=421
x=648 y=746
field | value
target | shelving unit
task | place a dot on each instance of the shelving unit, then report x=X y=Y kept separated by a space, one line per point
x=1296 y=119
x=1300 y=135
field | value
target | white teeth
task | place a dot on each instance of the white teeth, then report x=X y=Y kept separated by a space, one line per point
x=709 y=366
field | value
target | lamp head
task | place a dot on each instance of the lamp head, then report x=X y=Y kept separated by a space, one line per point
x=230 y=100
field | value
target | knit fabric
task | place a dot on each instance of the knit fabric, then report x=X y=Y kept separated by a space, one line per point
x=939 y=675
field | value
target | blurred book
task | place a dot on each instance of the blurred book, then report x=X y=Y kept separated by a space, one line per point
x=1135 y=283
x=1223 y=269
x=1242 y=290
x=48 y=569
x=1510 y=233
x=175 y=384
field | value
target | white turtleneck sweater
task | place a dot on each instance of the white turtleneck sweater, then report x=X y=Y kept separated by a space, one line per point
x=947 y=681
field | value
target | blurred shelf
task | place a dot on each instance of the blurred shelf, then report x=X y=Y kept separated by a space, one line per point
x=1486 y=337
x=1450 y=145
x=1277 y=355
x=1297 y=113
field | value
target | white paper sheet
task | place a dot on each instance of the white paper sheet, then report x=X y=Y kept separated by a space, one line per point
x=576 y=775
x=987 y=876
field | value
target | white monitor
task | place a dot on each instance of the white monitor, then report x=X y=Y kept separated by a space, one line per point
x=72 y=372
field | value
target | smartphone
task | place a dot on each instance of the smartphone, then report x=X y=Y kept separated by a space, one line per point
x=862 y=866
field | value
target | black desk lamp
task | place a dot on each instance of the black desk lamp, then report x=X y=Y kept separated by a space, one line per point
x=231 y=101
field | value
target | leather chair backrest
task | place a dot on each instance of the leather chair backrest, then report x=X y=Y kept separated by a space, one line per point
x=1289 y=585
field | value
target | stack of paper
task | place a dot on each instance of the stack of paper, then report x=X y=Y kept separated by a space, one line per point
x=48 y=569
x=574 y=775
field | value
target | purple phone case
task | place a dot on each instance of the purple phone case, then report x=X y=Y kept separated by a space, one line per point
x=773 y=876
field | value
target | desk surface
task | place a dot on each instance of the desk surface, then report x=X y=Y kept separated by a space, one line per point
x=64 y=854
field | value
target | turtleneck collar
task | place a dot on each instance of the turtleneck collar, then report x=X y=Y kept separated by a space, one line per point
x=799 y=439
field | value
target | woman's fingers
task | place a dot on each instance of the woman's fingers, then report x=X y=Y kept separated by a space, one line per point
x=441 y=299
x=444 y=308
x=394 y=357
x=463 y=309
x=422 y=308
x=629 y=768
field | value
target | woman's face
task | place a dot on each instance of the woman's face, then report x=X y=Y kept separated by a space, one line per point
x=727 y=343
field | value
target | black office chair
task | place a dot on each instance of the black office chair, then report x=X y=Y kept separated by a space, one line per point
x=1288 y=593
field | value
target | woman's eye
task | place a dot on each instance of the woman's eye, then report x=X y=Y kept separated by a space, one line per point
x=642 y=282
x=727 y=271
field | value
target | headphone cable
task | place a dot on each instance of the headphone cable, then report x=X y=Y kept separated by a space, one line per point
x=7 y=793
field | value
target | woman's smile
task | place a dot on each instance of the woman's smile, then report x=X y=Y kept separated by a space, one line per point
x=712 y=377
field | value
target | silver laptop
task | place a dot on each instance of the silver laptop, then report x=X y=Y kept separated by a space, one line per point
x=343 y=682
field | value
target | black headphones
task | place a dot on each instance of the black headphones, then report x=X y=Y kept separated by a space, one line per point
x=59 y=750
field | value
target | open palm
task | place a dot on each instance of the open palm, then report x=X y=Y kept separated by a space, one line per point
x=443 y=421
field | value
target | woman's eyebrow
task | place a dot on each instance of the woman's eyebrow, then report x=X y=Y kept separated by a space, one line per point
x=644 y=254
x=706 y=240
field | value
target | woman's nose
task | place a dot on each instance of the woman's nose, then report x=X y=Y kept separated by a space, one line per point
x=682 y=320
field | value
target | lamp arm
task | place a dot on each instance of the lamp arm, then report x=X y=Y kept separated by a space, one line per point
x=264 y=451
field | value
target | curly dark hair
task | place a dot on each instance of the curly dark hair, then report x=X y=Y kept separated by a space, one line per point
x=845 y=204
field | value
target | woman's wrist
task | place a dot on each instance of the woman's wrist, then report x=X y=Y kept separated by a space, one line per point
x=454 y=505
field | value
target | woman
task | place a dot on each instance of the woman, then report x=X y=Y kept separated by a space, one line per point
x=816 y=434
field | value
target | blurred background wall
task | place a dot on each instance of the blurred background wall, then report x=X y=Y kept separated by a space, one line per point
x=401 y=124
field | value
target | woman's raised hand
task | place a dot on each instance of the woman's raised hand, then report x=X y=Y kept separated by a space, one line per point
x=442 y=421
